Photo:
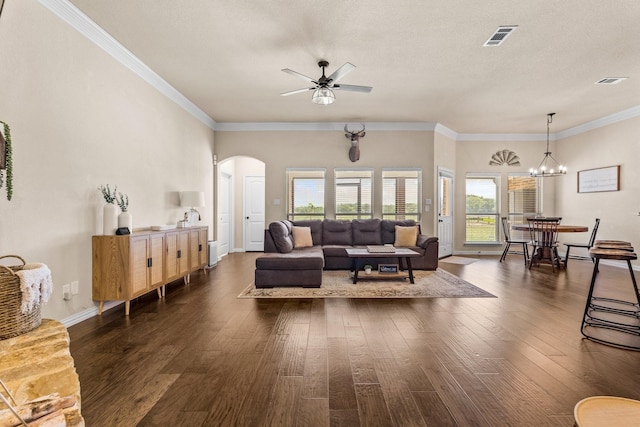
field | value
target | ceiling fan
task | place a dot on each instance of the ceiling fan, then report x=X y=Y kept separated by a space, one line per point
x=324 y=86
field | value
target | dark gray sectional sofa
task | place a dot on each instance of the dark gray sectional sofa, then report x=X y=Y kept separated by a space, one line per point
x=285 y=265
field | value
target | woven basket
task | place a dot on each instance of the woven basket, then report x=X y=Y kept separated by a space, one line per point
x=13 y=321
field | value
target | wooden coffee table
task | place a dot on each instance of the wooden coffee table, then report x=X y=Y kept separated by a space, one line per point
x=357 y=254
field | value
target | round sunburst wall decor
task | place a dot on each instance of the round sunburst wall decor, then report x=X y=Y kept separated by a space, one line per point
x=504 y=156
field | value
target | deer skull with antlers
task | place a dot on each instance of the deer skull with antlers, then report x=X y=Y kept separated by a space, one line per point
x=354 y=136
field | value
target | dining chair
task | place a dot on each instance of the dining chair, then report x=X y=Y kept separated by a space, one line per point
x=587 y=245
x=508 y=241
x=544 y=239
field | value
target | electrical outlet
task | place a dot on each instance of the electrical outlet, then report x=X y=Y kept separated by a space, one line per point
x=66 y=292
x=74 y=287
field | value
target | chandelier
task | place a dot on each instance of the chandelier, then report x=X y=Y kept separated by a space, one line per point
x=549 y=166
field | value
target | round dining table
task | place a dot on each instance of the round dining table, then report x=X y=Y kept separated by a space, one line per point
x=561 y=228
x=542 y=253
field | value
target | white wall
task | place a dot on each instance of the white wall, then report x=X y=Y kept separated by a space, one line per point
x=80 y=119
x=329 y=149
x=615 y=144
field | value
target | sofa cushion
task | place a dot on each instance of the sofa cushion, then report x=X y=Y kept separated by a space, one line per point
x=367 y=231
x=335 y=250
x=316 y=229
x=389 y=229
x=406 y=236
x=335 y=232
x=305 y=259
x=301 y=237
x=281 y=233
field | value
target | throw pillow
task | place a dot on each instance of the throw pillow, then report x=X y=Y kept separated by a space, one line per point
x=301 y=237
x=406 y=236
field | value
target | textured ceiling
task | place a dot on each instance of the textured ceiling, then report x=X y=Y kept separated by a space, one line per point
x=424 y=58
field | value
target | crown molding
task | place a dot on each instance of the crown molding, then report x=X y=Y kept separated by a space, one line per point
x=321 y=126
x=598 y=123
x=92 y=31
x=510 y=137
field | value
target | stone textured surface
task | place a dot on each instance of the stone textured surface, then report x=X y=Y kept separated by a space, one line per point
x=39 y=363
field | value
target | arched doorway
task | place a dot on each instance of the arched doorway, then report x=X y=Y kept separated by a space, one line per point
x=240 y=205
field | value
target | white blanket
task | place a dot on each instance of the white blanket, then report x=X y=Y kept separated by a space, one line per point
x=36 y=285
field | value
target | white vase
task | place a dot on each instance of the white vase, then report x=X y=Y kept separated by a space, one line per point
x=125 y=220
x=109 y=219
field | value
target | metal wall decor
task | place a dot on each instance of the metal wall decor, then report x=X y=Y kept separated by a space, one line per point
x=504 y=156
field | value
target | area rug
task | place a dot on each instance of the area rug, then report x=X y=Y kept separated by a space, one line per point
x=338 y=284
x=458 y=260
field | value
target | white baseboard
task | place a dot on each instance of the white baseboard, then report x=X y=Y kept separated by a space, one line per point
x=88 y=314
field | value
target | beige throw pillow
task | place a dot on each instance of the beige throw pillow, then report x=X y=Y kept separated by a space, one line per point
x=301 y=237
x=406 y=236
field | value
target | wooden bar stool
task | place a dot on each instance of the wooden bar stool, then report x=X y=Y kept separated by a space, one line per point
x=606 y=411
x=612 y=314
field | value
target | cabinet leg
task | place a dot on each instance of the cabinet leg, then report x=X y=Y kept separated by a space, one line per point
x=159 y=292
x=164 y=290
x=127 y=306
x=100 y=308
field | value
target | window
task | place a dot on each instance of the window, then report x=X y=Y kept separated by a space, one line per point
x=522 y=195
x=305 y=194
x=354 y=193
x=401 y=190
x=482 y=220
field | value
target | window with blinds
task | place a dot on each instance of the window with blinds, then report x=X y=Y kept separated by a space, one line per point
x=354 y=193
x=481 y=225
x=401 y=190
x=305 y=194
x=523 y=200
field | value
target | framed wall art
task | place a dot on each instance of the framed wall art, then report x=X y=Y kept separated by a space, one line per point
x=599 y=179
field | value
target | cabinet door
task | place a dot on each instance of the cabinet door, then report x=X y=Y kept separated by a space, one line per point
x=139 y=273
x=183 y=253
x=156 y=269
x=171 y=260
x=194 y=257
x=203 y=248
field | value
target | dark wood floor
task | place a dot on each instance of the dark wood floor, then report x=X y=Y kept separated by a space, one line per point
x=202 y=357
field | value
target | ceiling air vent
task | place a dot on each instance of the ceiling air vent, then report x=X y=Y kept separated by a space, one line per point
x=610 y=80
x=500 y=35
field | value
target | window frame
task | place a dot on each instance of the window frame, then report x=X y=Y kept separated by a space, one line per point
x=520 y=217
x=293 y=174
x=496 y=215
x=402 y=214
x=365 y=174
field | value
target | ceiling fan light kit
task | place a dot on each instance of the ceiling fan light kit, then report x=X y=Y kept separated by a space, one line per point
x=323 y=96
x=324 y=86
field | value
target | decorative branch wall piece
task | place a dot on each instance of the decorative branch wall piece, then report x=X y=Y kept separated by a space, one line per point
x=504 y=156
x=6 y=162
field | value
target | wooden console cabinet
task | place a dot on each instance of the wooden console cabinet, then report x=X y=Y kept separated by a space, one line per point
x=126 y=267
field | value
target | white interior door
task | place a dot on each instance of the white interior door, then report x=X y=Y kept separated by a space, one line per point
x=254 y=213
x=224 y=214
x=445 y=212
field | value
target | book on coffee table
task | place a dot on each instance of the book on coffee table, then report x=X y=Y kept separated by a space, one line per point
x=377 y=249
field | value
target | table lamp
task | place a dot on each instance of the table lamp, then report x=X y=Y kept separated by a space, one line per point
x=193 y=200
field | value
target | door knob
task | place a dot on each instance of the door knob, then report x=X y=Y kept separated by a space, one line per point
x=247 y=217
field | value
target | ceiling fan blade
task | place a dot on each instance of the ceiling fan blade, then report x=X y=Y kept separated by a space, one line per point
x=306 y=89
x=341 y=72
x=353 y=88
x=297 y=74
